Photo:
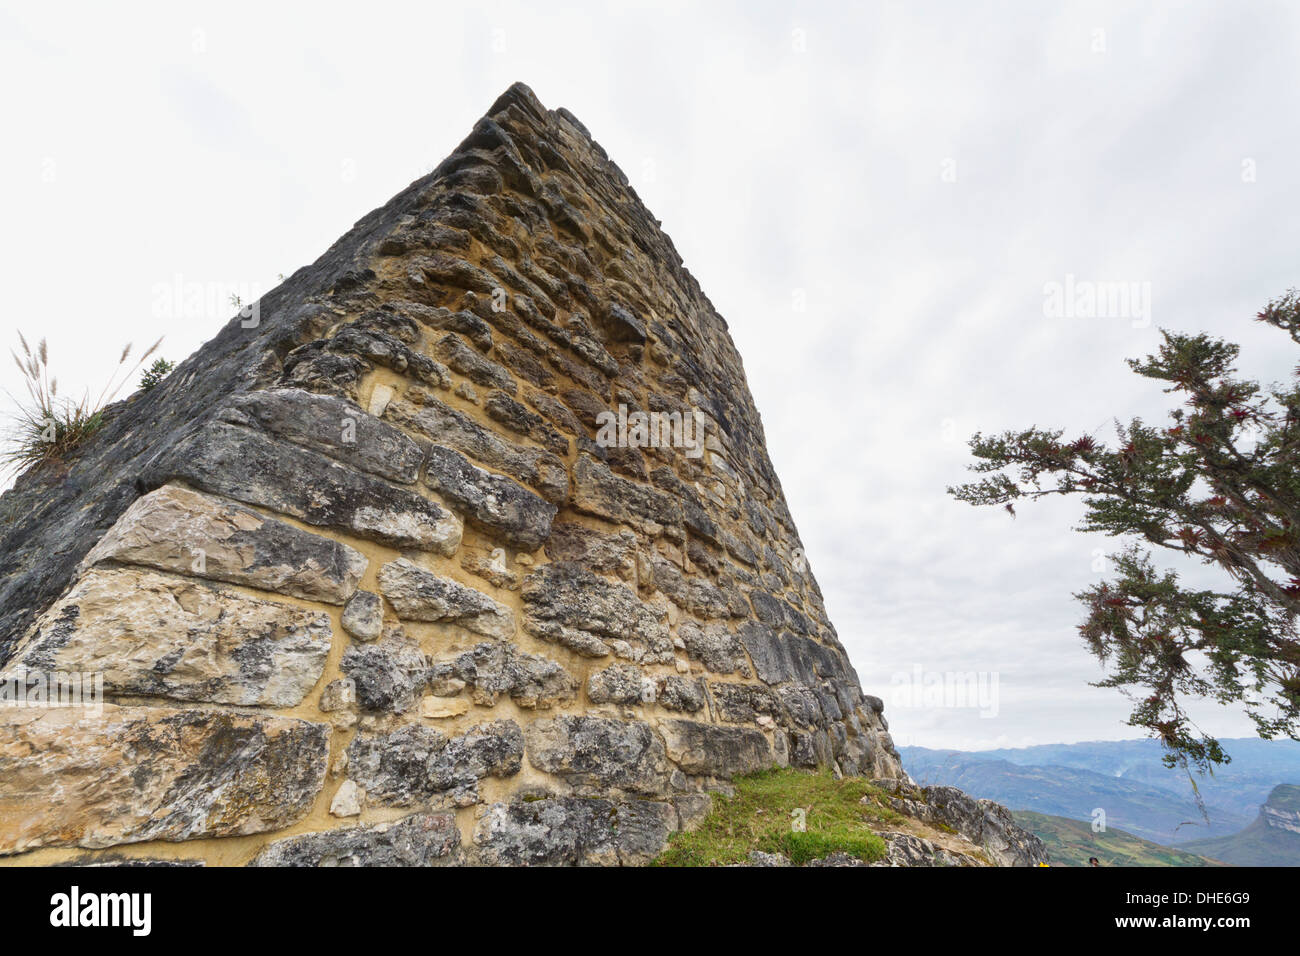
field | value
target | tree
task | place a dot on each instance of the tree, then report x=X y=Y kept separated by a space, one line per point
x=1220 y=484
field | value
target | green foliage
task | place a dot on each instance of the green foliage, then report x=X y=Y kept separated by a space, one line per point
x=1072 y=841
x=1219 y=483
x=155 y=373
x=46 y=426
x=762 y=815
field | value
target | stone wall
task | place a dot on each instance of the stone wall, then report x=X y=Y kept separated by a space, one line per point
x=366 y=583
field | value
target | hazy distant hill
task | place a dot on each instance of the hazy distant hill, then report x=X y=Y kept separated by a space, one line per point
x=1123 y=777
x=1257 y=767
x=1155 y=814
x=1272 y=840
x=1072 y=841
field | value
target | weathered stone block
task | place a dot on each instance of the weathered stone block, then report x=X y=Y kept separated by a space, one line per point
x=713 y=751
x=363 y=616
x=599 y=754
x=498 y=505
x=331 y=426
x=142 y=773
x=250 y=467
x=569 y=831
x=598 y=491
x=452 y=428
x=715 y=647
x=494 y=669
x=567 y=604
x=781 y=656
x=389 y=675
x=415 y=763
x=159 y=635
x=420 y=595
x=176 y=529
x=422 y=839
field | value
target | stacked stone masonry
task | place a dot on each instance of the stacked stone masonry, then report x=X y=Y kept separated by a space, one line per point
x=365 y=588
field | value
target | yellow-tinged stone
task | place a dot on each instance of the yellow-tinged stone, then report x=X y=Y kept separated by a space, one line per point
x=74 y=777
x=439 y=707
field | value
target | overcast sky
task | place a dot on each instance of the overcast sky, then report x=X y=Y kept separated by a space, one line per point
x=875 y=200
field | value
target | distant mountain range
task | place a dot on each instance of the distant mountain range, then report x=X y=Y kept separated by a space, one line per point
x=1124 y=779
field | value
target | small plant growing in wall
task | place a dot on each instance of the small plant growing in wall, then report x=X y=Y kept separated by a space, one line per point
x=155 y=373
x=46 y=426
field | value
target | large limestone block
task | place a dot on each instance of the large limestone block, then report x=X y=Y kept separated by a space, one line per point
x=415 y=764
x=494 y=503
x=422 y=839
x=129 y=774
x=567 y=604
x=165 y=636
x=251 y=467
x=420 y=595
x=176 y=529
x=569 y=831
x=332 y=426
x=596 y=755
x=713 y=751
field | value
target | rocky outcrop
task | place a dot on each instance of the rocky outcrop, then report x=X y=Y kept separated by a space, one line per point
x=1281 y=811
x=984 y=823
x=372 y=553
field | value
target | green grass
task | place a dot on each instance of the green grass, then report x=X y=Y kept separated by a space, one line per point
x=761 y=817
x=1072 y=841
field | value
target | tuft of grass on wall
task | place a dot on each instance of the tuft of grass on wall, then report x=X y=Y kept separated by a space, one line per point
x=46 y=426
x=804 y=815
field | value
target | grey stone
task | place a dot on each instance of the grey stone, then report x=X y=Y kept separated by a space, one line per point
x=680 y=693
x=363 y=616
x=714 y=751
x=744 y=703
x=463 y=359
x=598 y=755
x=572 y=831
x=414 y=763
x=618 y=684
x=714 y=646
x=466 y=323
x=421 y=839
x=504 y=509
x=567 y=604
x=389 y=675
x=493 y=669
x=447 y=426
x=595 y=550
x=600 y=492
x=781 y=657
x=331 y=426
x=252 y=468
x=420 y=595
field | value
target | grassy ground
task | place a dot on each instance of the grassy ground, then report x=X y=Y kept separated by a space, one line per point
x=1072 y=841
x=762 y=816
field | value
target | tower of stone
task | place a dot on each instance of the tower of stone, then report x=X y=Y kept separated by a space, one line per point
x=461 y=545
